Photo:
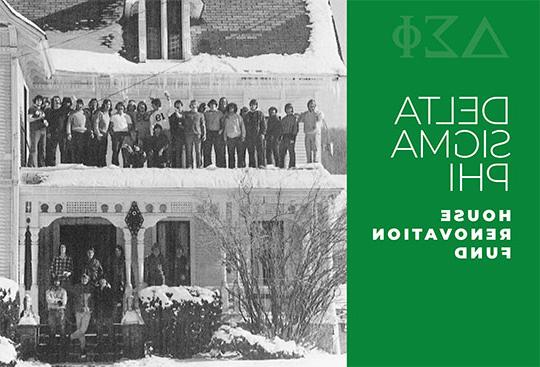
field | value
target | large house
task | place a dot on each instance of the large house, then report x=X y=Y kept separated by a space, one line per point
x=277 y=51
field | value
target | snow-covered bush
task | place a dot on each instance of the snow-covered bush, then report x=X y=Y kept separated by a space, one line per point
x=236 y=342
x=179 y=321
x=8 y=354
x=9 y=308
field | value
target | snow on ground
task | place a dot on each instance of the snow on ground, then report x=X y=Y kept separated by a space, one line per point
x=304 y=177
x=315 y=359
x=7 y=351
x=321 y=57
x=11 y=286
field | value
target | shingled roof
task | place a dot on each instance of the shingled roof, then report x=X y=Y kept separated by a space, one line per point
x=228 y=27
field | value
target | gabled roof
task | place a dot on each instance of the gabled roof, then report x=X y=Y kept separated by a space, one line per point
x=232 y=36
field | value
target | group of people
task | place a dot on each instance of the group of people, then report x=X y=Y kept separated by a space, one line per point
x=94 y=296
x=168 y=136
x=99 y=294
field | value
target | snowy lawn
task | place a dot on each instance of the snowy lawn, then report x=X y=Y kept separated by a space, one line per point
x=312 y=360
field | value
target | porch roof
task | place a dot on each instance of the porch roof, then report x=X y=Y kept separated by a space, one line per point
x=305 y=177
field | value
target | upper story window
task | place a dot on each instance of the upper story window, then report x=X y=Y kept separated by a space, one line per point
x=164 y=30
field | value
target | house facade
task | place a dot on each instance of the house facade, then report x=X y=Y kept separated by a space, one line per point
x=277 y=51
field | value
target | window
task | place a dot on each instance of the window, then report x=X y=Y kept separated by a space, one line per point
x=164 y=27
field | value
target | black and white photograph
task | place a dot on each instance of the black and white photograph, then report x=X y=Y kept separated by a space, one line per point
x=173 y=183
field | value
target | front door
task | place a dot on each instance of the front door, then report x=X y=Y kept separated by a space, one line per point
x=79 y=238
x=173 y=239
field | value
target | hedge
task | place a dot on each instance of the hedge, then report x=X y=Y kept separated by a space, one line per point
x=179 y=321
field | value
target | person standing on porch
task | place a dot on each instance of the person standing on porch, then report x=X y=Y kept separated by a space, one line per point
x=56 y=303
x=62 y=266
x=273 y=135
x=153 y=267
x=38 y=133
x=289 y=130
x=101 y=131
x=92 y=267
x=223 y=104
x=76 y=132
x=255 y=124
x=312 y=120
x=82 y=303
x=118 y=280
x=214 y=136
x=120 y=126
x=234 y=135
x=104 y=312
x=195 y=132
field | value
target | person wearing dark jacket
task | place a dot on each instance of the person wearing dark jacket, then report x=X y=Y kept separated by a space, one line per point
x=255 y=124
x=65 y=148
x=289 y=130
x=83 y=305
x=154 y=273
x=118 y=279
x=55 y=131
x=273 y=135
x=214 y=135
x=56 y=303
x=157 y=152
x=178 y=138
x=38 y=133
x=92 y=267
x=104 y=310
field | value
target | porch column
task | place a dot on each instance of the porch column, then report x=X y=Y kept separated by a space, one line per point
x=22 y=240
x=140 y=255
x=127 y=254
x=142 y=30
x=164 y=32
x=34 y=232
x=186 y=30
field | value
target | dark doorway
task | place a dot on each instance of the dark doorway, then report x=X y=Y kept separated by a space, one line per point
x=79 y=238
x=174 y=238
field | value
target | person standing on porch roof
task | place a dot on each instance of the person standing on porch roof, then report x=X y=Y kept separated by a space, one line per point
x=65 y=148
x=120 y=126
x=76 y=132
x=92 y=267
x=273 y=136
x=289 y=130
x=62 y=266
x=255 y=124
x=101 y=131
x=38 y=133
x=234 y=135
x=214 y=136
x=55 y=131
x=153 y=267
x=313 y=120
x=195 y=133
x=91 y=114
x=178 y=137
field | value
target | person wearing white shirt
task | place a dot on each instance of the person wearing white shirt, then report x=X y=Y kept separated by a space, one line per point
x=120 y=126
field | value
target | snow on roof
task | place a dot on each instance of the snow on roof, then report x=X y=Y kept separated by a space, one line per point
x=11 y=287
x=23 y=18
x=304 y=177
x=321 y=57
